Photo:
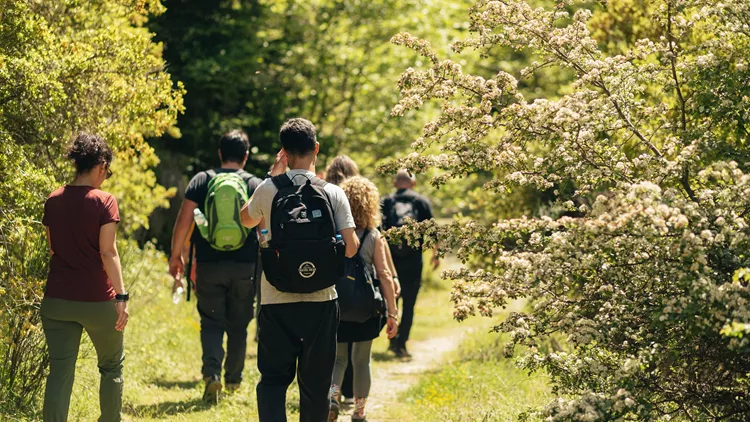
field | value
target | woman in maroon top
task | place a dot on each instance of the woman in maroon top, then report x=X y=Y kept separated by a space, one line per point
x=85 y=288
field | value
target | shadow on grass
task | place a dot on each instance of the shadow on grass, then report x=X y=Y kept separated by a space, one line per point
x=385 y=357
x=171 y=385
x=168 y=408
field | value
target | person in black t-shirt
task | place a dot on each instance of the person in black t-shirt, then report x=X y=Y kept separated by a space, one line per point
x=225 y=280
x=397 y=209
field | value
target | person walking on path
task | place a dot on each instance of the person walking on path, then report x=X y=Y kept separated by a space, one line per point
x=341 y=168
x=365 y=203
x=226 y=254
x=398 y=207
x=297 y=331
x=85 y=289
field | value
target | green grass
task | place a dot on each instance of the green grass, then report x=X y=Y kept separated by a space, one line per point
x=476 y=384
x=163 y=381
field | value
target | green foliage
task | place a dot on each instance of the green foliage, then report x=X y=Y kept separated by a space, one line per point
x=68 y=66
x=645 y=152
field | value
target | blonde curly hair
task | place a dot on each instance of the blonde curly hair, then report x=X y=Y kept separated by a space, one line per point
x=364 y=200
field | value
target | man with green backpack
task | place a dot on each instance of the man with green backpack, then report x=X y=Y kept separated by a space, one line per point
x=226 y=254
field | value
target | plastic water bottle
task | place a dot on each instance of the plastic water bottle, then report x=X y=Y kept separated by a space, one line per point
x=265 y=239
x=200 y=222
x=177 y=295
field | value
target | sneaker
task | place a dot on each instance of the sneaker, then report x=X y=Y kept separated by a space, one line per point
x=213 y=388
x=349 y=402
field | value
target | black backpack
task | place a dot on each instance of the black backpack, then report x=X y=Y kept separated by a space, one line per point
x=359 y=291
x=304 y=254
x=399 y=209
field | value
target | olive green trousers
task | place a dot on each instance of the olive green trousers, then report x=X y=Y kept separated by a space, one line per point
x=63 y=322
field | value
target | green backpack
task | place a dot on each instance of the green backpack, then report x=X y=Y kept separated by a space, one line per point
x=227 y=194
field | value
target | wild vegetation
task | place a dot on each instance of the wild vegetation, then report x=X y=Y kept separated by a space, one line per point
x=647 y=151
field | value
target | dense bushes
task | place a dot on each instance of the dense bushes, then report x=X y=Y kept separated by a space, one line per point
x=67 y=66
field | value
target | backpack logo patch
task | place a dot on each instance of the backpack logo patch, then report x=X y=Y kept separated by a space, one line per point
x=307 y=269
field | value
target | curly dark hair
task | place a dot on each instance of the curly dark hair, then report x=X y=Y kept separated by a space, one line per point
x=88 y=151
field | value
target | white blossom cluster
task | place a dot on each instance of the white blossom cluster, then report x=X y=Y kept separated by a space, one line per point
x=647 y=284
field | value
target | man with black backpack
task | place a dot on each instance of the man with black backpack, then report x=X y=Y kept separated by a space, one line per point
x=307 y=229
x=398 y=208
x=226 y=254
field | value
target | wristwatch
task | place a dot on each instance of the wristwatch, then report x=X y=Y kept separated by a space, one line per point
x=122 y=297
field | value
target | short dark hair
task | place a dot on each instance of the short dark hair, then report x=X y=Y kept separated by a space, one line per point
x=297 y=137
x=234 y=145
x=88 y=151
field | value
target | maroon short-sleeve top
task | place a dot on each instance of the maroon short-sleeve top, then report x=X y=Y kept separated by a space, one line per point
x=74 y=215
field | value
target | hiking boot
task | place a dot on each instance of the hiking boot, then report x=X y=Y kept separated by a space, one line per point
x=393 y=347
x=334 y=393
x=359 y=414
x=403 y=353
x=333 y=414
x=213 y=388
x=232 y=387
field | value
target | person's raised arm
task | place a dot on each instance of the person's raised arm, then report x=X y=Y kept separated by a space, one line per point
x=387 y=284
x=179 y=236
x=113 y=268
x=251 y=214
x=351 y=240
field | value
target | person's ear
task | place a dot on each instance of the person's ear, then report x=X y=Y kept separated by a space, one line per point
x=317 y=148
x=220 y=157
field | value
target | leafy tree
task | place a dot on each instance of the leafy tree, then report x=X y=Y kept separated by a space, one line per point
x=646 y=280
x=67 y=66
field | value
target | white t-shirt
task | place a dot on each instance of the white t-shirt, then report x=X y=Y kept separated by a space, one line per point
x=260 y=207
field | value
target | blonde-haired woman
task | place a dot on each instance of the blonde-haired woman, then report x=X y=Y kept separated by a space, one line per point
x=365 y=204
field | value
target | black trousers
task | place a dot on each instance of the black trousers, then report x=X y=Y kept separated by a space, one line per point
x=296 y=338
x=410 y=275
x=225 y=293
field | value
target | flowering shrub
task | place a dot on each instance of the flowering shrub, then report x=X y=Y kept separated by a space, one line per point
x=646 y=280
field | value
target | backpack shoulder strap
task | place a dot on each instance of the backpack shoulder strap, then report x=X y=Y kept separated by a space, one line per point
x=318 y=182
x=281 y=181
x=211 y=173
x=362 y=239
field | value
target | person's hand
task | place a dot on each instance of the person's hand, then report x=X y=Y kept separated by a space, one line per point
x=176 y=267
x=435 y=262
x=396 y=287
x=391 y=327
x=122 y=315
x=177 y=284
x=280 y=164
